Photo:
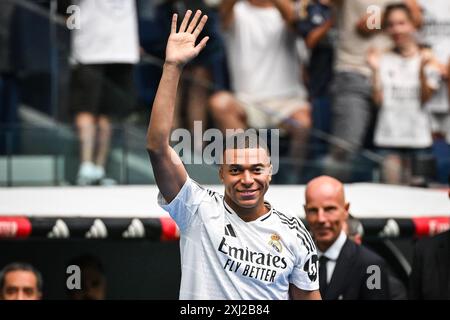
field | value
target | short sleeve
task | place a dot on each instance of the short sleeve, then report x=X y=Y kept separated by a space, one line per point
x=305 y=275
x=184 y=207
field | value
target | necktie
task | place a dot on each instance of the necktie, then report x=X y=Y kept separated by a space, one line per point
x=323 y=275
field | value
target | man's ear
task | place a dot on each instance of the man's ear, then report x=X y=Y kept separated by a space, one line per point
x=347 y=208
x=358 y=239
x=270 y=172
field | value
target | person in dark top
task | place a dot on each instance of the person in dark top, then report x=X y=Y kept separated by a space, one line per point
x=315 y=25
x=430 y=272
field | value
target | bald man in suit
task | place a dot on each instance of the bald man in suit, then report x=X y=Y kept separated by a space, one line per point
x=346 y=270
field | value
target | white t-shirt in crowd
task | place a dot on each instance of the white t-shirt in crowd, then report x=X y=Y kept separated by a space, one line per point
x=262 y=54
x=352 y=47
x=436 y=33
x=108 y=32
x=402 y=121
x=226 y=258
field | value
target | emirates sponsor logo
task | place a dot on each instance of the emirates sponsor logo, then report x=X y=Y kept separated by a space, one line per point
x=255 y=265
x=436 y=226
x=8 y=229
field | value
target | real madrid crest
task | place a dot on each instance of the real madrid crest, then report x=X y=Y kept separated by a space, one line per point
x=275 y=242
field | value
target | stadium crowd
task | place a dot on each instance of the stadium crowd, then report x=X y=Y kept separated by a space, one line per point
x=337 y=77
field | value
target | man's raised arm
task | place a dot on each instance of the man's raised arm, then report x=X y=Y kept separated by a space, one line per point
x=168 y=169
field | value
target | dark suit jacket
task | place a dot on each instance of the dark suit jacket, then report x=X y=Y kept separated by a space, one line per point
x=430 y=274
x=397 y=289
x=350 y=275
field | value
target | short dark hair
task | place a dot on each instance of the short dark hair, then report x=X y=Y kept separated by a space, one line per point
x=393 y=7
x=21 y=266
x=247 y=139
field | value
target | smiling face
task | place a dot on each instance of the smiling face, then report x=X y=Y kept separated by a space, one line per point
x=326 y=210
x=400 y=27
x=246 y=174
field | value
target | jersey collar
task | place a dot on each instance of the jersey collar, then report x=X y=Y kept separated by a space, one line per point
x=262 y=218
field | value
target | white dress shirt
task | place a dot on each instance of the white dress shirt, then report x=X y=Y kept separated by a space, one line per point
x=332 y=254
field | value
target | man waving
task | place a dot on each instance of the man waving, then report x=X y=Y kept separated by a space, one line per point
x=232 y=247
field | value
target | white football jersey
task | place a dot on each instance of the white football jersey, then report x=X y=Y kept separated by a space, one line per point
x=402 y=122
x=435 y=32
x=108 y=32
x=226 y=258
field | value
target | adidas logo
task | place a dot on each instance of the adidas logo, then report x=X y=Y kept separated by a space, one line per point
x=229 y=231
x=135 y=230
x=59 y=230
x=390 y=230
x=8 y=229
x=97 y=230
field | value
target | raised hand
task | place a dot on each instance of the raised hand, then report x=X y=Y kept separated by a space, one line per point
x=181 y=46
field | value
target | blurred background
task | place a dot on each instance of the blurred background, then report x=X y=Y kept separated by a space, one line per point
x=76 y=89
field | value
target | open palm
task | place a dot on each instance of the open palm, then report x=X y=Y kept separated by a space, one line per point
x=181 y=46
